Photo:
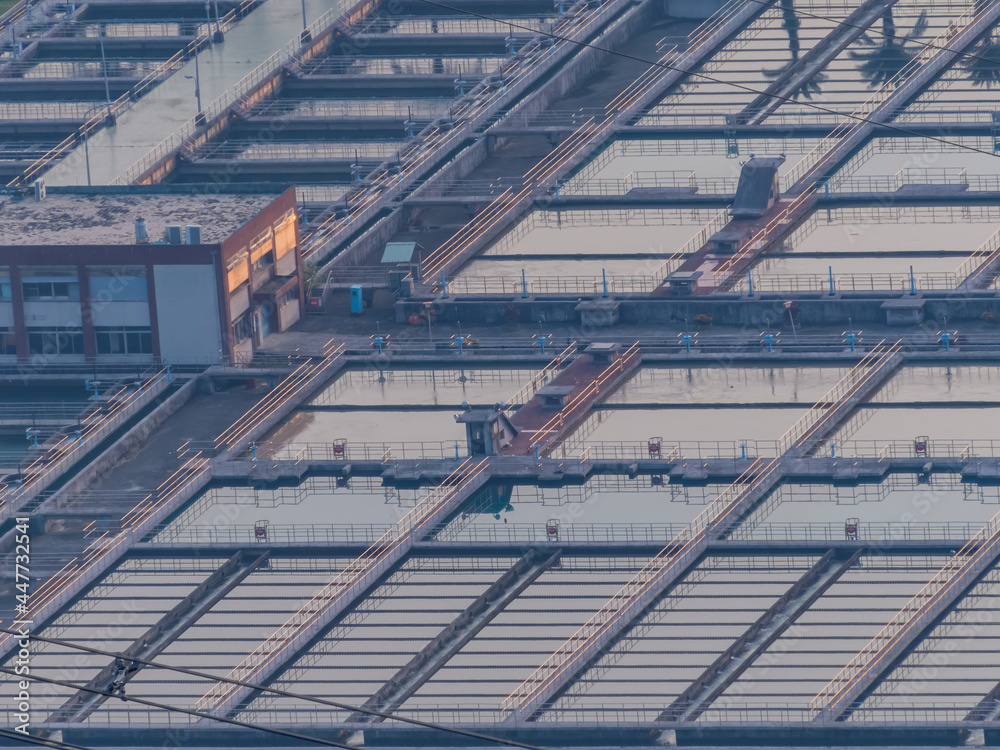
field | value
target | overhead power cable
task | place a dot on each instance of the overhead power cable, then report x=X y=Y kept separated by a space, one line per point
x=41 y=741
x=180 y=709
x=283 y=693
x=704 y=76
x=873 y=30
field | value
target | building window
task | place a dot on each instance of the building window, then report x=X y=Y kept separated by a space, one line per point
x=292 y=295
x=266 y=259
x=50 y=283
x=52 y=341
x=242 y=328
x=8 y=344
x=5 y=293
x=123 y=340
x=51 y=290
x=117 y=284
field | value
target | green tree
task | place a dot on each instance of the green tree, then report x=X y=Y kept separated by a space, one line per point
x=883 y=60
x=310 y=276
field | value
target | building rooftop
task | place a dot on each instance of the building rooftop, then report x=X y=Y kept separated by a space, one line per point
x=110 y=219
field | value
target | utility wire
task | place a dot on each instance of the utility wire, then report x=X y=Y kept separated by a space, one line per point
x=712 y=79
x=178 y=709
x=283 y=693
x=43 y=741
x=871 y=29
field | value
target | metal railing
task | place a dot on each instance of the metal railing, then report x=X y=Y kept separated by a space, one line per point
x=67 y=29
x=482 y=107
x=357 y=575
x=443 y=25
x=278 y=399
x=680 y=180
x=373 y=151
x=63 y=451
x=397 y=109
x=473 y=67
x=43 y=69
x=285 y=534
x=590 y=133
x=958 y=177
x=868 y=531
x=125 y=101
x=634 y=714
x=325 y=194
x=637 y=592
x=42 y=412
x=890 y=90
x=234 y=94
x=543 y=377
x=584 y=397
x=666 y=451
x=46 y=110
x=535 y=285
x=361 y=451
x=980 y=260
x=882 y=358
x=903 y=281
x=693 y=245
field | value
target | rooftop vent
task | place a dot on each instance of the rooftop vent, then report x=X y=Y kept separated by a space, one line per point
x=192 y=234
x=173 y=235
x=141 y=235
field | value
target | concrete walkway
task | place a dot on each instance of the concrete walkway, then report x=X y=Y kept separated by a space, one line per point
x=172 y=104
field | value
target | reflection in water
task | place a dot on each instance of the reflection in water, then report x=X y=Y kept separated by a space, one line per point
x=790 y=23
x=983 y=65
x=885 y=59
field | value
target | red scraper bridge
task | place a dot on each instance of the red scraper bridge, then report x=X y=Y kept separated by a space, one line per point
x=538 y=426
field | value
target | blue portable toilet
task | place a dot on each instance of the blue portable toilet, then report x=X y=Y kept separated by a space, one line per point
x=357 y=301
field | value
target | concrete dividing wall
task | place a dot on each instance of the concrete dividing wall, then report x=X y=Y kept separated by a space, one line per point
x=367 y=250
x=698 y=9
x=123 y=446
x=728 y=310
x=581 y=67
x=460 y=167
x=586 y=62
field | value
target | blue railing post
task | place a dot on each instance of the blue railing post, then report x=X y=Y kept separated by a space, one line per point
x=444 y=285
x=833 y=286
x=743 y=451
x=524 y=286
x=253 y=448
x=913 y=283
x=537 y=449
x=833 y=450
x=604 y=281
x=750 y=282
x=456 y=450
